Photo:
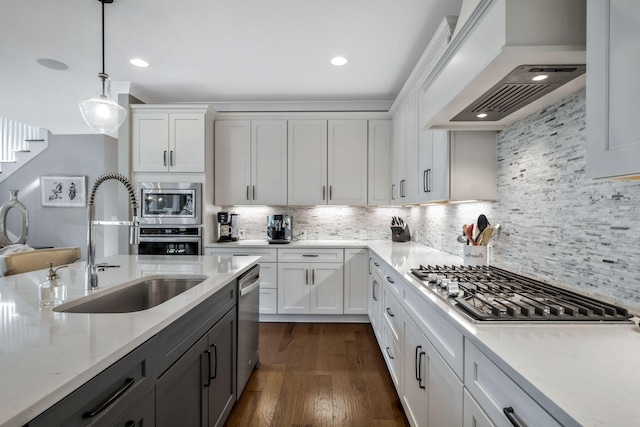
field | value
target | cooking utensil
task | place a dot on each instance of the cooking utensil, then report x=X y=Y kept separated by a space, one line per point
x=469 y=233
x=462 y=239
x=481 y=224
x=485 y=236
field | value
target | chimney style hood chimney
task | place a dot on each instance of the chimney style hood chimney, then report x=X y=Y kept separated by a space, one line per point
x=484 y=79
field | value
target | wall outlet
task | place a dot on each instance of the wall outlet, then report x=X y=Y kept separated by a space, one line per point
x=303 y=235
x=363 y=234
x=241 y=234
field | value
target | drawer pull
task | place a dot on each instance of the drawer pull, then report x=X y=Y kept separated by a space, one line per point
x=390 y=280
x=110 y=400
x=389 y=353
x=311 y=255
x=512 y=417
x=375 y=297
x=390 y=313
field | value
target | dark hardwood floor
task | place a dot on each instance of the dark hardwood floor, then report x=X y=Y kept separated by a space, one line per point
x=318 y=374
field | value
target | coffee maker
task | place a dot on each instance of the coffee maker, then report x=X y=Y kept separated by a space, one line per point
x=227 y=227
x=279 y=228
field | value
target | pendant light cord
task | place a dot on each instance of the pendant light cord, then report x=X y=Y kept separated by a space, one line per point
x=104 y=76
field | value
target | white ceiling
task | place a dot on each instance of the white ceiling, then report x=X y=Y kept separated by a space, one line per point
x=211 y=51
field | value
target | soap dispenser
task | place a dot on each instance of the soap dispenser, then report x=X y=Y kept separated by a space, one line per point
x=53 y=291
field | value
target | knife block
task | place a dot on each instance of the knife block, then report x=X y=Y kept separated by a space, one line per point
x=400 y=234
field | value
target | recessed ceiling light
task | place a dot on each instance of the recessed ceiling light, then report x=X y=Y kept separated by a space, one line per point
x=339 y=60
x=540 y=77
x=481 y=115
x=139 y=62
x=52 y=63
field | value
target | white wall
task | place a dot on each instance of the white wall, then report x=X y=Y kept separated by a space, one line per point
x=89 y=155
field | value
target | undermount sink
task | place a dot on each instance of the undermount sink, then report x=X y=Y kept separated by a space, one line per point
x=137 y=295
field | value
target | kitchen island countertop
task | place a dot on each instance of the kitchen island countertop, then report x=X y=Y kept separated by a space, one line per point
x=45 y=355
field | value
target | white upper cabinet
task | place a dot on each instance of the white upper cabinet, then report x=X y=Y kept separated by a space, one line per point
x=433 y=166
x=232 y=162
x=269 y=162
x=307 y=162
x=405 y=149
x=251 y=162
x=613 y=46
x=347 y=162
x=379 y=162
x=168 y=138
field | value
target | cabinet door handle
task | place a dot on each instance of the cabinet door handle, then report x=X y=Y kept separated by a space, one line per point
x=370 y=265
x=313 y=276
x=375 y=297
x=306 y=272
x=208 y=376
x=390 y=313
x=376 y=264
x=429 y=180
x=425 y=185
x=164 y=158
x=130 y=423
x=390 y=280
x=171 y=158
x=324 y=192
x=419 y=355
x=389 y=353
x=248 y=192
x=110 y=400
x=512 y=417
x=393 y=191
x=311 y=255
x=330 y=192
x=253 y=192
x=215 y=361
x=240 y=254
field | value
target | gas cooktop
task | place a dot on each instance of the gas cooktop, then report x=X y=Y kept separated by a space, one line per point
x=487 y=293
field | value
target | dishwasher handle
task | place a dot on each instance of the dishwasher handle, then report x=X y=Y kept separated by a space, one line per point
x=245 y=289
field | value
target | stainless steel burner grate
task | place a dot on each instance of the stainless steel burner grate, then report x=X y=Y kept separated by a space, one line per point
x=492 y=294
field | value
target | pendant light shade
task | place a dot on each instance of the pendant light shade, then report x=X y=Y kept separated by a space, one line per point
x=101 y=112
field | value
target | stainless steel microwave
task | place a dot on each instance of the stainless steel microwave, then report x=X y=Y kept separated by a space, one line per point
x=170 y=203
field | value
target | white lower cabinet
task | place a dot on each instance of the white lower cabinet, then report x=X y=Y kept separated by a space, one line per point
x=432 y=393
x=374 y=305
x=310 y=288
x=504 y=402
x=473 y=415
x=356 y=264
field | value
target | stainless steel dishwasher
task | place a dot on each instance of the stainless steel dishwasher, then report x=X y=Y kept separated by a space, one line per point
x=248 y=325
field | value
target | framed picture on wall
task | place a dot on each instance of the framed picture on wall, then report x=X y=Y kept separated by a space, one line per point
x=64 y=191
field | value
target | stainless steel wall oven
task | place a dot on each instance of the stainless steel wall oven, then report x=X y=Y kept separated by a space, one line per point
x=170 y=241
x=170 y=218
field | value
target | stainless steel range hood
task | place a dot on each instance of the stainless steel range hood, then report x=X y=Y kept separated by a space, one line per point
x=496 y=50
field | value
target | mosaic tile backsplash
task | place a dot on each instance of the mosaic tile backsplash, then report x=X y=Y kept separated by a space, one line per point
x=556 y=224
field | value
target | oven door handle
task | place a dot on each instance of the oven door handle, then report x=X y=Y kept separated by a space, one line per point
x=169 y=239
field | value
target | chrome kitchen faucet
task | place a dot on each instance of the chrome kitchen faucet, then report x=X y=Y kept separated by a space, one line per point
x=134 y=232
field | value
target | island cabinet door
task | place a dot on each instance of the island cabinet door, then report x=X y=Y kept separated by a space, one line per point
x=181 y=398
x=221 y=357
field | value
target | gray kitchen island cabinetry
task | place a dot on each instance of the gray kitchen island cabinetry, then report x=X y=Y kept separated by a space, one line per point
x=109 y=395
x=199 y=389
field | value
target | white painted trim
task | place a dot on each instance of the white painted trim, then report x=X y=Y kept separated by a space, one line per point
x=315 y=318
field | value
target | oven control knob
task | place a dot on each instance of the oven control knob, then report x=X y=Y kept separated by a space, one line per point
x=453 y=289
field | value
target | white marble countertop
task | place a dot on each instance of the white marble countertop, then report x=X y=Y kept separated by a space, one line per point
x=45 y=355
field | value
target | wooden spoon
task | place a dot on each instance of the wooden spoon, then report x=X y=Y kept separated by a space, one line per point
x=485 y=236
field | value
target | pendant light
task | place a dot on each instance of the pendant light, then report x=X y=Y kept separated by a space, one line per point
x=101 y=113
